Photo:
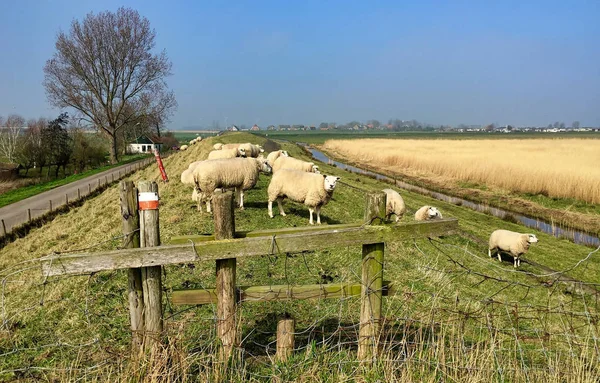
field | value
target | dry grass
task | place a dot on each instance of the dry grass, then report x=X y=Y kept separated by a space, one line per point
x=563 y=168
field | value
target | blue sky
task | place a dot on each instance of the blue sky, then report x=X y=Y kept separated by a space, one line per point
x=279 y=62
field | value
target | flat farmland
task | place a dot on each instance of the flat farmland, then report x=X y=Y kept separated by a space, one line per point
x=555 y=168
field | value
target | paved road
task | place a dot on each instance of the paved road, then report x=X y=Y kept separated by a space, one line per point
x=17 y=213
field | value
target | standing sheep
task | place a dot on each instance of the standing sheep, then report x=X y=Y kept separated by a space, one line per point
x=239 y=173
x=273 y=156
x=427 y=213
x=313 y=190
x=511 y=242
x=294 y=164
x=394 y=204
x=226 y=153
x=183 y=147
x=251 y=149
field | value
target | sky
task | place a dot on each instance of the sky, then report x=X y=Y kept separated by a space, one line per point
x=524 y=63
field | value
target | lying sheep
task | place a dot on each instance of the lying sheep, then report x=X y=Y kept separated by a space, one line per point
x=284 y=162
x=427 y=213
x=251 y=149
x=183 y=147
x=218 y=146
x=313 y=190
x=394 y=204
x=273 y=156
x=226 y=153
x=516 y=244
x=239 y=173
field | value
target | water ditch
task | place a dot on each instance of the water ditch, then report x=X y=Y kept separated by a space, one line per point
x=576 y=236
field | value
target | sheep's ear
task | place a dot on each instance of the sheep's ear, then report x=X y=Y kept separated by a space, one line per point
x=324 y=175
x=337 y=178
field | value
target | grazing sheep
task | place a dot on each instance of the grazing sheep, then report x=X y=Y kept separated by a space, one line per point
x=218 y=146
x=313 y=190
x=426 y=213
x=226 y=153
x=183 y=147
x=284 y=162
x=273 y=156
x=394 y=205
x=239 y=173
x=516 y=244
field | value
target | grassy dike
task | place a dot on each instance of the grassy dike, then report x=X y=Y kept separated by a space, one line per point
x=457 y=316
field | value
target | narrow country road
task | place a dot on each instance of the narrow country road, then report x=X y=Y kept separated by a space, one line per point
x=20 y=212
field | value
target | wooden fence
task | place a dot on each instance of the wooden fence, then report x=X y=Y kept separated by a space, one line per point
x=143 y=256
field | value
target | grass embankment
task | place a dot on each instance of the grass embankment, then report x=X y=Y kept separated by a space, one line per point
x=19 y=194
x=459 y=316
x=556 y=180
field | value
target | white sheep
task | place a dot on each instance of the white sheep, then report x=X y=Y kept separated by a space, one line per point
x=226 y=153
x=183 y=147
x=426 y=213
x=284 y=162
x=273 y=156
x=394 y=204
x=218 y=146
x=511 y=242
x=239 y=173
x=251 y=149
x=313 y=190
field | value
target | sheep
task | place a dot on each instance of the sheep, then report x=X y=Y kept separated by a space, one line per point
x=218 y=146
x=284 y=162
x=516 y=244
x=273 y=156
x=428 y=212
x=251 y=149
x=183 y=147
x=227 y=153
x=394 y=204
x=238 y=173
x=313 y=190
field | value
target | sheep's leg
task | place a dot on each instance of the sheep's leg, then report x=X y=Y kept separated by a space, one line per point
x=318 y=210
x=271 y=209
x=397 y=218
x=499 y=257
x=208 y=205
x=280 y=206
x=515 y=262
x=490 y=252
x=241 y=199
x=310 y=210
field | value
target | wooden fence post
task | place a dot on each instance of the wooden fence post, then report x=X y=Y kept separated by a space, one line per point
x=89 y=189
x=78 y=193
x=223 y=214
x=50 y=204
x=66 y=198
x=3 y=228
x=285 y=338
x=372 y=282
x=151 y=276
x=131 y=232
x=28 y=215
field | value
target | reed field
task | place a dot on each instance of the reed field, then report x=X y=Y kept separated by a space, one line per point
x=457 y=315
x=556 y=168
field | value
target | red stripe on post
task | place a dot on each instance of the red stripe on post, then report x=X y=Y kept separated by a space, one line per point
x=147 y=201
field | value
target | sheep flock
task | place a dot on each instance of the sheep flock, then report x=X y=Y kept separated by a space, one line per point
x=237 y=166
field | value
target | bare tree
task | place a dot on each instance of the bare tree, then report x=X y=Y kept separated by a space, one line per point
x=105 y=69
x=9 y=136
x=575 y=125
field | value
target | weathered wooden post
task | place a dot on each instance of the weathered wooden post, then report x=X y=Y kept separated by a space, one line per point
x=106 y=180
x=223 y=214
x=98 y=183
x=372 y=281
x=112 y=177
x=50 y=205
x=3 y=228
x=131 y=231
x=151 y=276
x=89 y=189
x=285 y=338
x=28 y=215
x=66 y=199
x=78 y=193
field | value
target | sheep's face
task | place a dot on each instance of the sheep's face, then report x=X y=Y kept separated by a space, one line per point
x=242 y=152
x=264 y=165
x=434 y=213
x=315 y=169
x=261 y=150
x=284 y=153
x=330 y=182
x=532 y=238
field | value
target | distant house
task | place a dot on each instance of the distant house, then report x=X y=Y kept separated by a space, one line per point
x=271 y=127
x=233 y=128
x=254 y=128
x=144 y=144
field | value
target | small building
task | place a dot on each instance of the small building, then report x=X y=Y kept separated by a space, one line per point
x=144 y=144
x=254 y=128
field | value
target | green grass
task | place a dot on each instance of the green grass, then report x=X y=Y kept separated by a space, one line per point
x=458 y=315
x=185 y=138
x=19 y=194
